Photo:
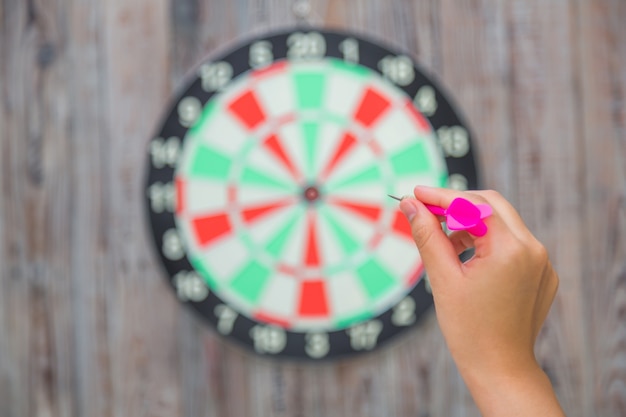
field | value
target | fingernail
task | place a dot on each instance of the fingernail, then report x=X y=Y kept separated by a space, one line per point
x=408 y=208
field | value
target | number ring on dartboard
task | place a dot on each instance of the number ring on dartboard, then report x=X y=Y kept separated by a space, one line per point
x=267 y=191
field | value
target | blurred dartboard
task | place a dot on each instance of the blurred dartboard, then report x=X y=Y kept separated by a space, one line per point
x=267 y=191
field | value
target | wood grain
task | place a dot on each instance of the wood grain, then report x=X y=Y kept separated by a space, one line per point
x=88 y=325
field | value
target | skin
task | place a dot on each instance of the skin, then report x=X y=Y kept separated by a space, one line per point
x=490 y=308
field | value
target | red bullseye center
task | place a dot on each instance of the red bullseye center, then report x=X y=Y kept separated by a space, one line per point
x=311 y=193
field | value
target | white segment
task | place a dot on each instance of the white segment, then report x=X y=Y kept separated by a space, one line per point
x=293 y=252
x=359 y=159
x=398 y=255
x=251 y=195
x=292 y=139
x=224 y=133
x=332 y=251
x=275 y=94
x=344 y=92
x=281 y=296
x=346 y=295
x=395 y=131
x=262 y=160
x=329 y=137
x=204 y=196
x=367 y=193
x=226 y=259
x=360 y=228
x=266 y=227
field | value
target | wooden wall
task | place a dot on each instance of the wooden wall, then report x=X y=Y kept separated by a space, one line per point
x=88 y=326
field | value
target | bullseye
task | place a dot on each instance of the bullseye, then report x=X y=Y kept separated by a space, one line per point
x=311 y=194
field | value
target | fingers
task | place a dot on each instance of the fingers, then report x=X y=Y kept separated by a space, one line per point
x=461 y=241
x=507 y=212
x=441 y=197
x=504 y=215
x=437 y=251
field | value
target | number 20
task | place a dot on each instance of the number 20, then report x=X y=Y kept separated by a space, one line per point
x=310 y=45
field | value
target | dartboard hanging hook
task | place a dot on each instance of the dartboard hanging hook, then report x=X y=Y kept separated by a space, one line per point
x=301 y=9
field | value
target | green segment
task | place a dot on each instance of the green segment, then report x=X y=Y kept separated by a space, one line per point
x=347 y=242
x=309 y=90
x=250 y=281
x=413 y=159
x=443 y=182
x=376 y=281
x=353 y=69
x=371 y=174
x=310 y=130
x=344 y=322
x=208 y=162
x=255 y=177
x=277 y=243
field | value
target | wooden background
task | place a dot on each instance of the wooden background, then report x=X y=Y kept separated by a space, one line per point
x=88 y=326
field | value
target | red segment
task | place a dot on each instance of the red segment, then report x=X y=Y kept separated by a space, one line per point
x=251 y=214
x=268 y=318
x=375 y=148
x=231 y=193
x=312 y=257
x=375 y=240
x=210 y=228
x=418 y=117
x=272 y=143
x=286 y=269
x=401 y=225
x=247 y=109
x=180 y=195
x=364 y=210
x=313 y=299
x=371 y=107
x=347 y=143
x=274 y=68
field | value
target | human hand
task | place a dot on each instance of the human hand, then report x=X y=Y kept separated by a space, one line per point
x=490 y=308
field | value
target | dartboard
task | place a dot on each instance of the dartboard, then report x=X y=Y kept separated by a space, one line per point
x=267 y=191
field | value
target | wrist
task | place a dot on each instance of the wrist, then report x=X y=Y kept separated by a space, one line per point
x=523 y=389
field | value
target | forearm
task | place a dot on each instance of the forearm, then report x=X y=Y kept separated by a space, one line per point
x=505 y=394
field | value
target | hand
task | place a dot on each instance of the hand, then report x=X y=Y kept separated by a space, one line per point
x=490 y=308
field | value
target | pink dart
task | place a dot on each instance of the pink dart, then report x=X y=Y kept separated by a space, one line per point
x=462 y=214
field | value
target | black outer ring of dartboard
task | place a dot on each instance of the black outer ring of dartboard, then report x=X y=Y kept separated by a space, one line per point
x=371 y=52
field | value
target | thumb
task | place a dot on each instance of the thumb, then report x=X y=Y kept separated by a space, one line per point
x=437 y=252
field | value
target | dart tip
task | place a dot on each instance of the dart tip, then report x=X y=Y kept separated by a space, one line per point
x=394 y=197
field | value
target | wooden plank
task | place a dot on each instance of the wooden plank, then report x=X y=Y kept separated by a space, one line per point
x=90 y=240
x=477 y=72
x=35 y=268
x=547 y=145
x=144 y=369
x=5 y=360
x=602 y=60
